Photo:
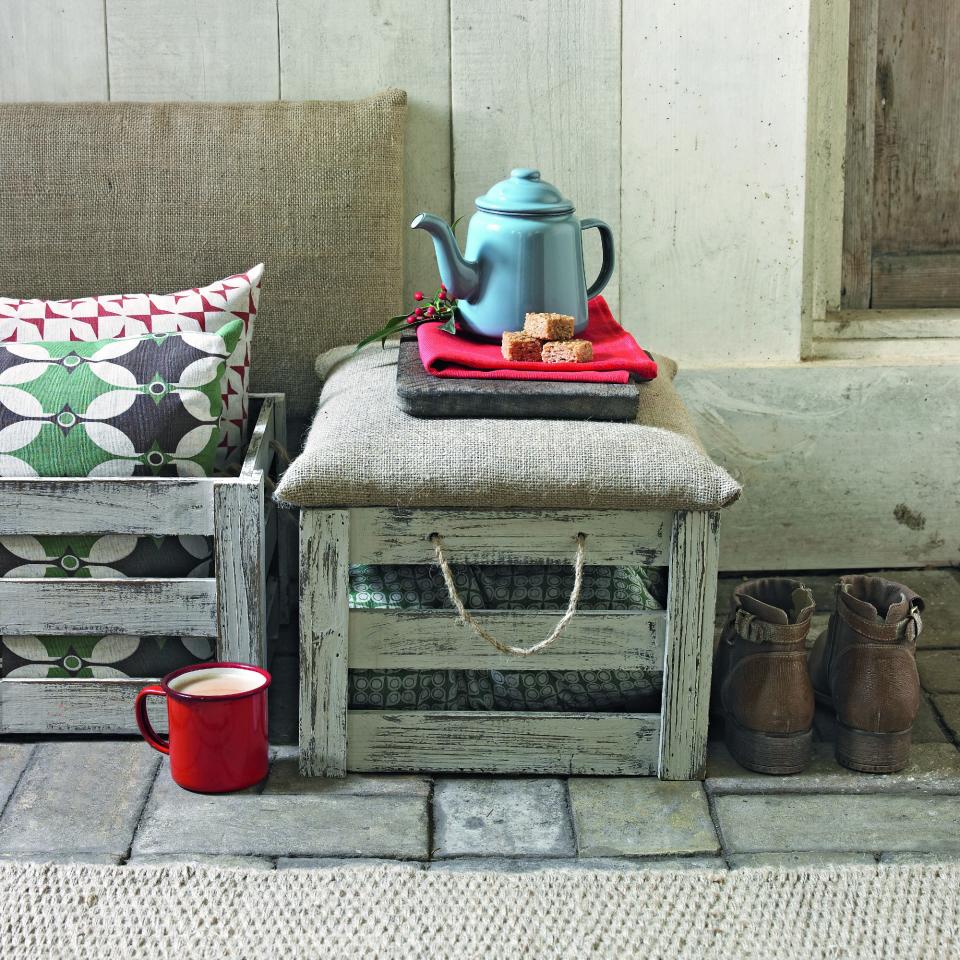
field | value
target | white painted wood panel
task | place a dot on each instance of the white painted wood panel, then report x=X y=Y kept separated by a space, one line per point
x=714 y=125
x=193 y=49
x=536 y=83
x=614 y=537
x=52 y=50
x=324 y=599
x=140 y=607
x=241 y=571
x=845 y=464
x=135 y=506
x=689 y=648
x=433 y=640
x=578 y=744
x=75 y=706
x=334 y=51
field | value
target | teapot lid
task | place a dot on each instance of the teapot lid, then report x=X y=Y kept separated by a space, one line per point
x=524 y=193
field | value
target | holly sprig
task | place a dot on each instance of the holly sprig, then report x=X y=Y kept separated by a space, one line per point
x=442 y=307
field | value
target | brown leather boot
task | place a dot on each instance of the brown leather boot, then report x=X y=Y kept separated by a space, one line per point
x=761 y=684
x=863 y=666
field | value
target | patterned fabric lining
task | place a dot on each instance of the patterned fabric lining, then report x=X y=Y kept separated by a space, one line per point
x=506 y=588
x=110 y=557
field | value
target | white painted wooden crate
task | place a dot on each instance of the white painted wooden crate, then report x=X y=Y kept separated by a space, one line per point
x=333 y=639
x=231 y=606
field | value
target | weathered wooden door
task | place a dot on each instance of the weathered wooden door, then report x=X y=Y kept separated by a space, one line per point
x=901 y=245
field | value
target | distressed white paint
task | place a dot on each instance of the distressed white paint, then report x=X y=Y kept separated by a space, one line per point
x=432 y=640
x=52 y=50
x=88 y=606
x=74 y=706
x=691 y=601
x=193 y=50
x=339 y=51
x=324 y=599
x=231 y=608
x=604 y=744
x=383 y=535
x=714 y=128
x=536 y=83
x=136 y=506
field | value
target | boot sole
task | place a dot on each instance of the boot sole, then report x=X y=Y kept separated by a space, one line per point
x=766 y=752
x=868 y=752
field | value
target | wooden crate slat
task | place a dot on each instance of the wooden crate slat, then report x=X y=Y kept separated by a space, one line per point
x=259 y=453
x=74 y=706
x=691 y=604
x=614 y=537
x=184 y=607
x=138 y=506
x=606 y=744
x=916 y=280
x=432 y=640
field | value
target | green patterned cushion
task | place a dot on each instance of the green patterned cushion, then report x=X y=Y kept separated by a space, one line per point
x=141 y=406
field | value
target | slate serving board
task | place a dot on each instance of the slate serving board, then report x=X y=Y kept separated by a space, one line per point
x=423 y=395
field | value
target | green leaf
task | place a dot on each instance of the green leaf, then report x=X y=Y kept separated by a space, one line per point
x=450 y=326
x=393 y=325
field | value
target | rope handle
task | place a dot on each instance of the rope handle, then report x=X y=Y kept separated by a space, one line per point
x=465 y=617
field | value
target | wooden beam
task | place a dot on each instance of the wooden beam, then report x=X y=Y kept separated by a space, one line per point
x=432 y=640
x=141 y=607
x=142 y=507
x=916 y=280
x=240 y=570
x=859 y=166
x=614 y=537
x=905 y=324
x=324 y=608
x=575 y=744
x=689 y=655
x=77 y=705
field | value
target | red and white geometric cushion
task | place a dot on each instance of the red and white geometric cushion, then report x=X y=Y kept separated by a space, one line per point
x=204 y=309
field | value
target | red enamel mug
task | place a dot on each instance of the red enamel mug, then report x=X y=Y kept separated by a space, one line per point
x=218 y=738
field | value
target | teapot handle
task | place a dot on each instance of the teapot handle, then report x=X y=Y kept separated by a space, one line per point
x=606 y=268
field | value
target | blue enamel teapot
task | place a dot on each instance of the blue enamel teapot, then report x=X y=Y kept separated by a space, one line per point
x=524 y=254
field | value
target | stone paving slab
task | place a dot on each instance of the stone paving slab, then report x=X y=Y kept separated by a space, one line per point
x=284 y=778
x=948 y=706
x=531 y=865
x=198 y=859
x=339 y=863
x=13 y=761
x=933 y=768
x=926 y=728
x=278 y=824
x=79 y=797
x=939 y=670
x=622 y=816
x=107 y=859
x=799 y=860
x=914 y=856
x=501 y=816
x=873 y=823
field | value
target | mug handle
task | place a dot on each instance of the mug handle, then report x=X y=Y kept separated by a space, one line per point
x=143 y=721
x=606 y=242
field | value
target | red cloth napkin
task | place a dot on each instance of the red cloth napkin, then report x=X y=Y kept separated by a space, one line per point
x=616 y=355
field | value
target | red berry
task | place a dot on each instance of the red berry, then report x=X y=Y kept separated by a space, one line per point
x=430 y=311
x=443 y=291
x=418 y=313
x=411 y=318
x=418 y=295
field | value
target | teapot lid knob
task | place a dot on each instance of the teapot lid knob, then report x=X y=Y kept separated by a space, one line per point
x=524 y=194
x=525 y=173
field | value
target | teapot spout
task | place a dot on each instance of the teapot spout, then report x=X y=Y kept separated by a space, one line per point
x=461 y=277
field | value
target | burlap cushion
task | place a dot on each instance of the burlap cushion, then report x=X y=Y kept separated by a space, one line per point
x=363 y=450
x=101 y=198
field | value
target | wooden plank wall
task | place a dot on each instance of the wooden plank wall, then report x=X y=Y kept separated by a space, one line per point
x=628 y=106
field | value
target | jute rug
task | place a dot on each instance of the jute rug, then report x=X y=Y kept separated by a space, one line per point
x=186 y=912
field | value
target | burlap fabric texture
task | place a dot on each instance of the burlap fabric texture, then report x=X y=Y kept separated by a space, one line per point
x=363 y=450
x=110 y=198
